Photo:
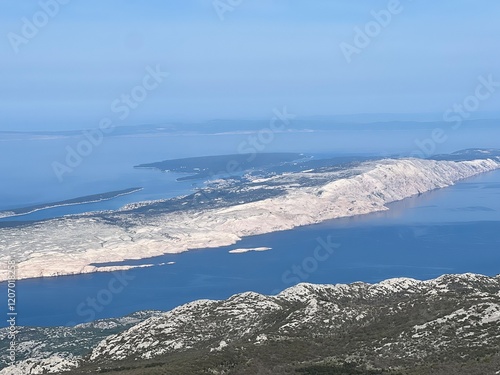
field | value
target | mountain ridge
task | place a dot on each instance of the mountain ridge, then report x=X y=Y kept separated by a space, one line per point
x=396 y=326
x=223 y=214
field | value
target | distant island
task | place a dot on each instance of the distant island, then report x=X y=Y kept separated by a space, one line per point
x=69 y=202
x=241 y=251
x=206 y=166
x=273 y=198
x=468 y=154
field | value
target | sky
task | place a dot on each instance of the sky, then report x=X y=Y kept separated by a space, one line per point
x=67 y=64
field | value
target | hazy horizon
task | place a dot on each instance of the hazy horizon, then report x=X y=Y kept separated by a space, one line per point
x=64 y=64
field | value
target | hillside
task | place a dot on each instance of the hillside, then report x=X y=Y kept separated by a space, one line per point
x=225 y=212
x=398 y=326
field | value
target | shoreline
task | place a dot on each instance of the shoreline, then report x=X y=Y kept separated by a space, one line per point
x=248 y=250
x=365 y=193
x=5 y=215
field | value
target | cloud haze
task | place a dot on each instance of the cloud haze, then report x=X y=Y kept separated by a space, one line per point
x=263 y=54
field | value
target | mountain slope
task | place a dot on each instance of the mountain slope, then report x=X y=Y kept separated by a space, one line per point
x=40 y=349
x=399 y=322
x=398 y=326
x=74 y=245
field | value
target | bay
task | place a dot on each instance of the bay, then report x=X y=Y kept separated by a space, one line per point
x=452 y=230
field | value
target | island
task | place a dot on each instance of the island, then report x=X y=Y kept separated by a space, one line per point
x=226 y=210
x=69 y=202
x=226 y=165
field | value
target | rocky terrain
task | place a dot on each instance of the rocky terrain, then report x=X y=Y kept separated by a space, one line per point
x=226 y=211
x=52 y=349
x=400 y=326
x=449 y=325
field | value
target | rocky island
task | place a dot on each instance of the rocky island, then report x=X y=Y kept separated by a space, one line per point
x=227 y=210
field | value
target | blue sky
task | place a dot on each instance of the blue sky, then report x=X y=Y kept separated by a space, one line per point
x=265 y=54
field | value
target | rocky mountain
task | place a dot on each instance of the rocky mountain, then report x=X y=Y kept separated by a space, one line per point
x=449 y=325
x=50 y=349
x=223 y=214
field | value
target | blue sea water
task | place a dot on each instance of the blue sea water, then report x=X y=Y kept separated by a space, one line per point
x=29 y=178
x=453 y=230
x=27 y=175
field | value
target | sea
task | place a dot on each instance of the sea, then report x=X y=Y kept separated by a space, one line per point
x=451 y=230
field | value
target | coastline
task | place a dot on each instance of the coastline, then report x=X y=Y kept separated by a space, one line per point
x=248 y=250
x=12 y=213
x=381 y=182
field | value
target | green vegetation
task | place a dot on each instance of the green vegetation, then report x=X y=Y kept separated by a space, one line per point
x=227 y=165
